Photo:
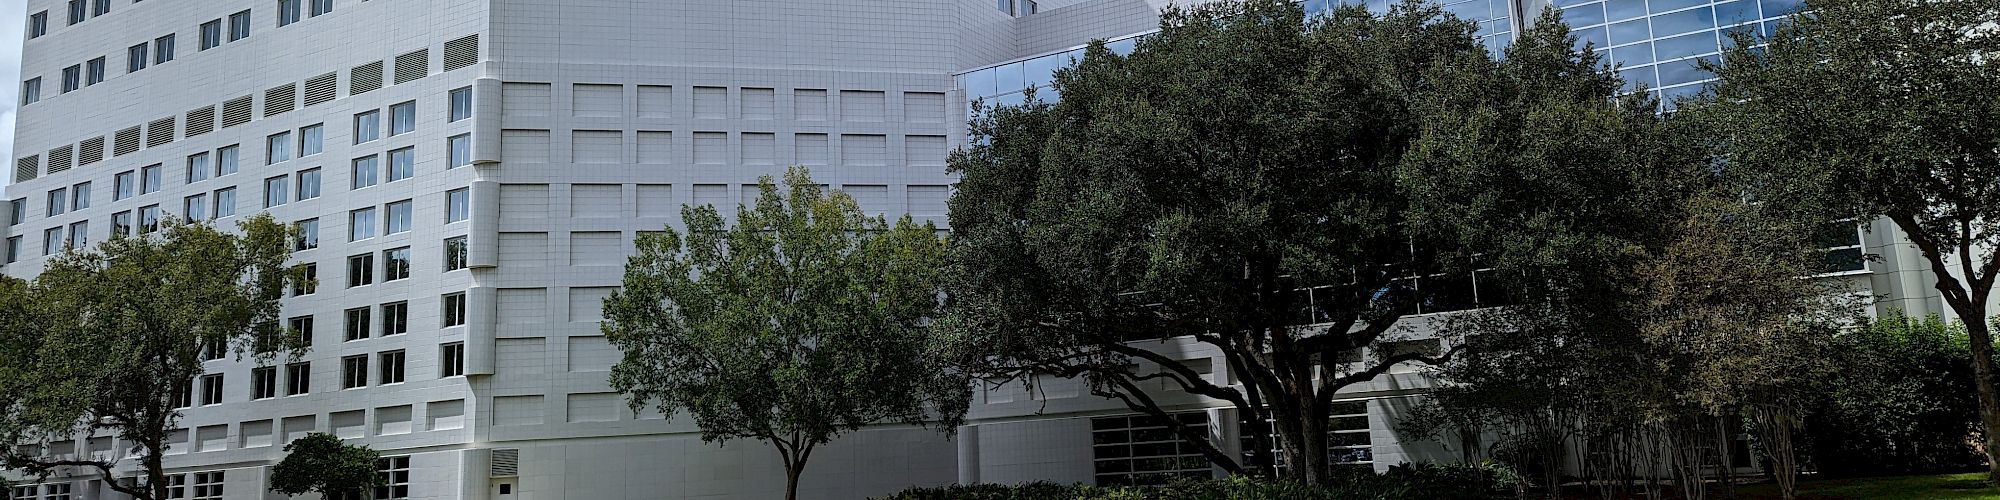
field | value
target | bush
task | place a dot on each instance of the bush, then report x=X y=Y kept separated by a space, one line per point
x=1903 y=406
x=1407 y=481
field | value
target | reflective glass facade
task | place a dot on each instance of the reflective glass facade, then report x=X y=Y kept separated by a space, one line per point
x=1654 y=43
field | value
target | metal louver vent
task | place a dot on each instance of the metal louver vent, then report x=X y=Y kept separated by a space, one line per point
x=128 y=143
x=364 y=78
x=160 y=132
x=92 y=150
x=236 y=112
x=281 y=99
x=461 y=52
x=201 y=121
x=506 y=462
x=322 y=88
x=59 y=159
x=27 y=168
x=412 y=66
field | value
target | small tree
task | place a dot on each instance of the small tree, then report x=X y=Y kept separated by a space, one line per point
x=803 y=321
x=321 y=463
x=106 y=340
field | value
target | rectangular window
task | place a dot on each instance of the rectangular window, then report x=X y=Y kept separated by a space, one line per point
x=365 y=169
x=31 y=90
x=17 y=211
x=121 y=224
x=402 y=118
x=454 y=309
x=402 y=164
x=1348 y=442
x=395 y=478
x=211 y=34
x=263 y=382
x=399 y=217
x=79 y=234
x=277 y=148
x=239 y=26
x=461 y=150
x=207 y=485
x=100 y=7
x=276 y=191
x=461 y=104
x=136 y=57
x=1842 y=243
x=149 y=219
x=308 y=184
x=451 y=358
x=225 y=160
x=308 y=235
x=308 y=282
x=58 y=198
x=367 y=126
x=454 y=253
x=1140 y=450
x=395 y=318
x=211 y=389
x=361 y=224
x=149 y=178
x=298 y=379
x=163 y=49
x=72 y=78
x=195 y=208
x=93 y=71
x=198 y=167
x=357 y=323
x=76 y=11
x=183 y=396
x=361 y=270
x=211 y=351
x=52 y=240
x=354 y=372
x=311 y=139
x=395 y=264
x=457 y=205
x=392 y=368
x=79 y=196
x=302 y=327
x=225 y=202
x=321 y=7
x=288 y=12
x=38 y=24
x=13 y=249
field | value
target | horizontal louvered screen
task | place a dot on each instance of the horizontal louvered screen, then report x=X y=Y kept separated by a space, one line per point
x=413 y=66
x=27 y=168
x=236 y=112
x=281 y=99
x=60 y=158
x=364 y=78
x=128 y=143
x=322 y=88
x=200 y=121
x=92 y=150
x=160 y=132
x=461 y=52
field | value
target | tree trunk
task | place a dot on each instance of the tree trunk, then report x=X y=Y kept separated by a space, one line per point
x=792 y=481
x=1980 y=335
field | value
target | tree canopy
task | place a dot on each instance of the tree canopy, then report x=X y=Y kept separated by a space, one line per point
x=1881 y=108
x=321 y=463
x=802 y=321
x=106 y=339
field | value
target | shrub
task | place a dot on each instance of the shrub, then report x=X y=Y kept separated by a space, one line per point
x=1402 y=482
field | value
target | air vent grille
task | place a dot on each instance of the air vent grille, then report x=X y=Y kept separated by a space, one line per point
x=322 y=88
x=59 y=159
x=413 y=66
x=461 y=52
x=27 y=168
x=160 y=132
x=92 y=150
x=506 y=462
x=128 y=143
x=365 y=78
x=201 y=121
x=236 y=112
x=281 y=99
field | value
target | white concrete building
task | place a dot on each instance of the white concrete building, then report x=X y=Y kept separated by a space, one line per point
x=475 y=172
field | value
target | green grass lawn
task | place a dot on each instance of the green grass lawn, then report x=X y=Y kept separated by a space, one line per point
x=1945 y=487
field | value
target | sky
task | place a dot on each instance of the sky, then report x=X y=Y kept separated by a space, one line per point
x=15 y=14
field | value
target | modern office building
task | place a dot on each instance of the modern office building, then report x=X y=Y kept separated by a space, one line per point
x=472 y=173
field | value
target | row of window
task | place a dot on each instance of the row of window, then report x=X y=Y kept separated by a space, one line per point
x=297 y=377
x=161 y=49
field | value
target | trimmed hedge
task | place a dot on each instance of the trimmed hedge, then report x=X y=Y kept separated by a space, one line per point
x=1402 y=482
